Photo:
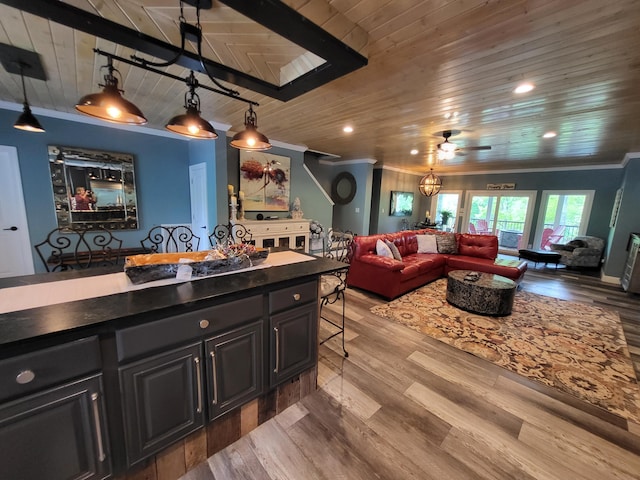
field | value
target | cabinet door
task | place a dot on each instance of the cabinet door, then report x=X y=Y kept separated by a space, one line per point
x=57 y=434
x=235 y=373
x=293 y=342
x=162 y=400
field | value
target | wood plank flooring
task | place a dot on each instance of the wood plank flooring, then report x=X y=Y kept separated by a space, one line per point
x=405 y=406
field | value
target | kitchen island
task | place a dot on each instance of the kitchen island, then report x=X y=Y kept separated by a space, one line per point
x=143 y=379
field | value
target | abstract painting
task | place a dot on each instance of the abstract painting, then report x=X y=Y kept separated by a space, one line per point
x=265 y=181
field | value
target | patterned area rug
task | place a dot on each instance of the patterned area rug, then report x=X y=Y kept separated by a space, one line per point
x=575 y=347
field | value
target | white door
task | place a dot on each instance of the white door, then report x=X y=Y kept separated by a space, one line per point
x=15 y=245
x=199 y=209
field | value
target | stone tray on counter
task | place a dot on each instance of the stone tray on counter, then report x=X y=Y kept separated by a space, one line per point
x=157 y=266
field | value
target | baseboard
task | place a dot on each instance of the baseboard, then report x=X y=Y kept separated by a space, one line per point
x=610 y=279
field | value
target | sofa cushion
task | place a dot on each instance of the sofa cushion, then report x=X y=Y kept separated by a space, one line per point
x=394 y=250
x=427 y=244
x=383 y=250
x=480 y=246
x=447 y=243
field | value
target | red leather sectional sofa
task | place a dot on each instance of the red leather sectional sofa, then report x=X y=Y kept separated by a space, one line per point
x=391 y=278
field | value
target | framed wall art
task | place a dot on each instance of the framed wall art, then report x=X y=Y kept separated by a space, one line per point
x=265 y=181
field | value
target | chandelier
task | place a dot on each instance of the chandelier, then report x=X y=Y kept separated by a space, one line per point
x=430 y=184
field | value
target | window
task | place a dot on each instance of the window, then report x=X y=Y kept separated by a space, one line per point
x=447 y=202
x=564 y=212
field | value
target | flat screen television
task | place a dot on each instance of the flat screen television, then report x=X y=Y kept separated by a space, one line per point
x=401 y=204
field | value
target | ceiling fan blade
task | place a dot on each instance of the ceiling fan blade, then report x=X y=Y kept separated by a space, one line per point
x=481 y=147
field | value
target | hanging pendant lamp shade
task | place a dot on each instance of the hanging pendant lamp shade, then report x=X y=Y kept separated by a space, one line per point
x=250 y=138
x=430 y=184
x=191 y=124
x=27 y=121
x=109 y=104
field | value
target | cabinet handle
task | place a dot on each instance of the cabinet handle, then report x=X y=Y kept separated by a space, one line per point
x=296 y=296
x=215 y=377
x=96 y=419
x=204 y=324
x=25 y=376
x=196 y=360
x=275 y=370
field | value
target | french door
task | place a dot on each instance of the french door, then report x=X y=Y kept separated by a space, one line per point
x=505 y=214
x=565 y=213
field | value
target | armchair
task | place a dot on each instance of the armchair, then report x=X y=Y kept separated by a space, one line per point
x=583 y=251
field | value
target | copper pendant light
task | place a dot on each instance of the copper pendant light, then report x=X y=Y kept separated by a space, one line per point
x=191 y=124
x=109 y=104
x=250 y=138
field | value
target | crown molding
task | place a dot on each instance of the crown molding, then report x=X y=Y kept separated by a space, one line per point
x=348 y=162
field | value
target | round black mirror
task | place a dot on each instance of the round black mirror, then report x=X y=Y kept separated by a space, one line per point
x=343 y=188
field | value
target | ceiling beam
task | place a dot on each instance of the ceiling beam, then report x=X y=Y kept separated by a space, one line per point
x=278 y=17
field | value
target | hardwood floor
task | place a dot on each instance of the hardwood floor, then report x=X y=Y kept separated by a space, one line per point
x=403 y=405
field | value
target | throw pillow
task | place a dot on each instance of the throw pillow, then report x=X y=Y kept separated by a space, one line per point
x=394 y=250
x=427 y=244
x=573 y=244
x=447 y=243
x=383 y=250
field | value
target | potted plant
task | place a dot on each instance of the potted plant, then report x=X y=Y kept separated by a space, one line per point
x=446 y=215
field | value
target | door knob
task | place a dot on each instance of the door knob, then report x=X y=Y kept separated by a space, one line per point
x=13 y=229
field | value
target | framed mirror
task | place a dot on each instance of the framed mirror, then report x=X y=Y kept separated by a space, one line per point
x=93 y=189
x=343 y=188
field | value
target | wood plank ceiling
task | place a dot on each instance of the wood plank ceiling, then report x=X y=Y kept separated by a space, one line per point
x=433 y=65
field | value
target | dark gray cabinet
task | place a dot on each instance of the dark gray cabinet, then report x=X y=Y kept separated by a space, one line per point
x=235 y=372
x=179 y=371
x=293 y=326
x=56 y=434
x=162 y=400
x=293 y=342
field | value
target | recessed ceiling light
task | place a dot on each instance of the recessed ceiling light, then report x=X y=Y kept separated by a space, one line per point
x=347 y=129
x=414 y=152
x=524 y=88
x=549 y=135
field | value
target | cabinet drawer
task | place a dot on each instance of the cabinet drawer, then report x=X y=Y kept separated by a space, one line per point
x=171 y=331
x=293 y=296
x=48 y=367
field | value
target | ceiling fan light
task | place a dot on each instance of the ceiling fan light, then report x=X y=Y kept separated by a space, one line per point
x=446 y=155
x=27 y=121
x=447 y=146
x=192 y=125
x=430 y=184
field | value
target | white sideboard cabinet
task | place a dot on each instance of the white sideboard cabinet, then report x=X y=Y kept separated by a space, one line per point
x=288 y=233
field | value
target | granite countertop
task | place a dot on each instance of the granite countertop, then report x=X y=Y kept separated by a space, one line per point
x=113 y=311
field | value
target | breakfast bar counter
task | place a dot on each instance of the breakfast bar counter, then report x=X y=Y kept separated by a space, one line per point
x=103 y=376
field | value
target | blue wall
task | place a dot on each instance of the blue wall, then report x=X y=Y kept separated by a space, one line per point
x=161 y=171
x=314 y=203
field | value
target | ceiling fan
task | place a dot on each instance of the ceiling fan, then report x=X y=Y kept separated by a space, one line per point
x=447 y=150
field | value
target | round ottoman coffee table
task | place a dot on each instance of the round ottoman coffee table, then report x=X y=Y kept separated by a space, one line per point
x=483 y=293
